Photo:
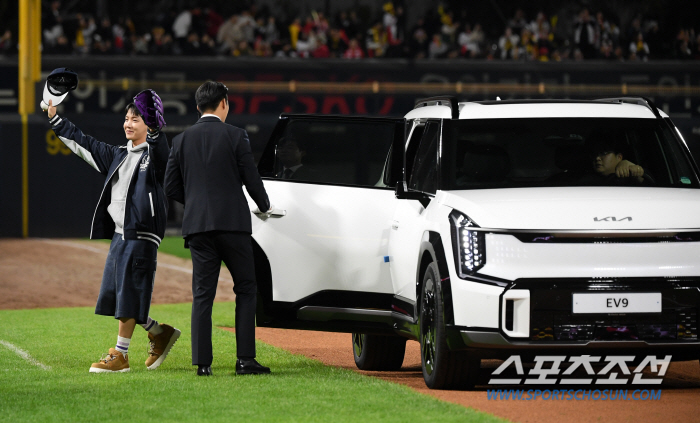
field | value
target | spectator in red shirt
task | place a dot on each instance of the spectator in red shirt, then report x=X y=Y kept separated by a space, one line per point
x=354 y=51
x=321 y=51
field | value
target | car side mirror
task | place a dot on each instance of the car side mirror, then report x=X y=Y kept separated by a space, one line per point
x=402 y=193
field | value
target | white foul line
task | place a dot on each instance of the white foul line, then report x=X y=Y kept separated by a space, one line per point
x=100 y=251
x=25 y=355
x=74 y=245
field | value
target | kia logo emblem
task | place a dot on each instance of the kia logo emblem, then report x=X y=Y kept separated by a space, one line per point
x=611 y=219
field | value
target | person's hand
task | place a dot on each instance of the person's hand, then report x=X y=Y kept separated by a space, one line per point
x=51 y=110
x=625 y=169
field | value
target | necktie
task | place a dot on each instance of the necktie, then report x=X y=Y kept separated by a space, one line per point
x=287 y=173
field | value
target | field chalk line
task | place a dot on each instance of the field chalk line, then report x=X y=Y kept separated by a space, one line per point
x=101 y=251
x=25 y=355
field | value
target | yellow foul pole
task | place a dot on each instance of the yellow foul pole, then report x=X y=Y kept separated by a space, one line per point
x=29 y=74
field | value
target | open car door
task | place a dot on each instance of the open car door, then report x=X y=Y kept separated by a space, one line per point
x=322 y=256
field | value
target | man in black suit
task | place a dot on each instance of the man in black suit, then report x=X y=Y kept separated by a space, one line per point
x=207 y=168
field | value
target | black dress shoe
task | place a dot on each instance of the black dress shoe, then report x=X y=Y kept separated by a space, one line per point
x=248 y=366
x=204 y=371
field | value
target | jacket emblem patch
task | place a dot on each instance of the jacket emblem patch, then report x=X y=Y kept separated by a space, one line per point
x=144 y=163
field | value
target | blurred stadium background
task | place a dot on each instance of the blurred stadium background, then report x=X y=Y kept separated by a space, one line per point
x=310 y=56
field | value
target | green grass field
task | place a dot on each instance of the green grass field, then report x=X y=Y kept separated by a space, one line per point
x=68 y=340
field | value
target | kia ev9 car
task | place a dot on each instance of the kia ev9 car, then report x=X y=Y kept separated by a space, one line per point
x=483 y=230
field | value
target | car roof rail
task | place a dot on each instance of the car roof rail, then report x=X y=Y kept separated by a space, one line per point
x=643 y=101
x=452 y=100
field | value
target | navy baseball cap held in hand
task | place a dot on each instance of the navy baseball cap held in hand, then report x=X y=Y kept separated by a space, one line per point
x=59 y=82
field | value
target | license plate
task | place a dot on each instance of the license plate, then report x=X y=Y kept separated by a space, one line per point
x=617 y=302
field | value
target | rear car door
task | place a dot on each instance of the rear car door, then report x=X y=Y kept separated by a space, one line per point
x=322 y=256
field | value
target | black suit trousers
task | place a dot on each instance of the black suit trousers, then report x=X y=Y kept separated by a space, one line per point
x=208 y=250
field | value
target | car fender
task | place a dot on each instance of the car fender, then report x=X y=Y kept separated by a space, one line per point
x=432 y=250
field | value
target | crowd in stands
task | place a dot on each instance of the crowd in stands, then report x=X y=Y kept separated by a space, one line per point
x=580 y=34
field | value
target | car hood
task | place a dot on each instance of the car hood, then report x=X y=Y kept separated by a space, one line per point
x=578 y=208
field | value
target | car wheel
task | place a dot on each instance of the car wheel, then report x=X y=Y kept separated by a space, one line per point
x=378 y=352
x=442 y=368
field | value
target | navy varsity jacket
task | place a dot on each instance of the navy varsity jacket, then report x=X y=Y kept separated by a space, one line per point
x=146 y=207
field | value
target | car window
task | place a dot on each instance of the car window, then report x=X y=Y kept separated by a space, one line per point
x=412 y=146
x=505 y=153
x=342 y=152
x=424 y=174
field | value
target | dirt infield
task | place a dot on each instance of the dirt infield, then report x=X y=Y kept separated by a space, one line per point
x=41 y=273
x=67 y=273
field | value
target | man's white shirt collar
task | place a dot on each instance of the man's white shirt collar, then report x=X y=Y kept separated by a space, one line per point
x=209 y=114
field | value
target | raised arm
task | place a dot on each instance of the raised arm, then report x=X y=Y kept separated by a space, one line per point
x=95 y=153
x=159 y=150
x=150 y=106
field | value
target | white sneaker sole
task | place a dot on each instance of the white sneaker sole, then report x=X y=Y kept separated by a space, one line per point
x=171 y=342
x=98 y=370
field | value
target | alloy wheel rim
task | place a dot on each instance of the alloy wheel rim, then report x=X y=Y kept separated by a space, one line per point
x=428 y=327
x=358 y=341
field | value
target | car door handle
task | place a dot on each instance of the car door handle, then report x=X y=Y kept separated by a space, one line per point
x=395 y=225
x=274 y=212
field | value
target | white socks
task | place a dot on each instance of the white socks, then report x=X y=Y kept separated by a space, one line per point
x=123 y=345
x=151 y=326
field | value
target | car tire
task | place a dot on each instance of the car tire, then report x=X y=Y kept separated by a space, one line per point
x=378 y=352
x=442 y=368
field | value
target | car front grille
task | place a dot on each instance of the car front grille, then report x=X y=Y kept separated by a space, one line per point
x=552 y=318
x=618 y=328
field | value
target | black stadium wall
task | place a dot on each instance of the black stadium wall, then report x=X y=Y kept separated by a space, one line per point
x=63 y=190
x=175 y=71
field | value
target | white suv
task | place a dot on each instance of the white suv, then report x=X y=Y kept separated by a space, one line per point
x=483 y=229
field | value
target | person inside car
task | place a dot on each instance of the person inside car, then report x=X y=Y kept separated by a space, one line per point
x=290 y=153
x=606 y=158
x=609 y=162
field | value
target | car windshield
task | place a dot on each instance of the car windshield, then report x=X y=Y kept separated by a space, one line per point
x=505 y=153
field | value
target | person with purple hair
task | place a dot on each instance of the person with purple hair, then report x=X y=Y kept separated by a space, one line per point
x=131 y=212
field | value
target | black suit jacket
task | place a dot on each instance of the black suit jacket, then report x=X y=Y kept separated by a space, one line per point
x=207 y=168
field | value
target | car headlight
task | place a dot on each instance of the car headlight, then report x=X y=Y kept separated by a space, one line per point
x=469 y=244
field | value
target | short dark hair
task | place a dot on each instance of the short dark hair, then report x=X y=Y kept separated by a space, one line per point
x=609 y=145
x=132 y=107
x=300 y=142
x=209 y=95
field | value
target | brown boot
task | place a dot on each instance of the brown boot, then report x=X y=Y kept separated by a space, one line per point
x=160 y=345
x=112 y=362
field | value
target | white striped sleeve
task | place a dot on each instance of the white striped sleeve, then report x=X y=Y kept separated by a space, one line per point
x=72 y=145
x=55 y=120
x=80 y=151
